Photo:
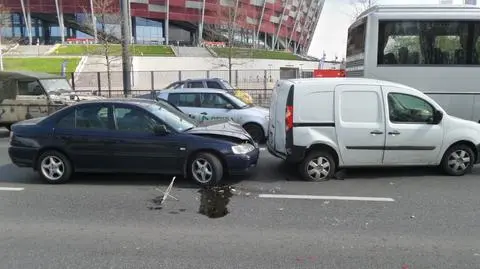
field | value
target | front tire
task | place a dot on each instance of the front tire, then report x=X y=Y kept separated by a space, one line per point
x=54 y=167
x=318 y=166
x=255 y=131
x=206 y=169
x=458 y=160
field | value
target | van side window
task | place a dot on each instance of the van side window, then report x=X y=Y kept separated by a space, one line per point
x=404 y=108
x=369 y=109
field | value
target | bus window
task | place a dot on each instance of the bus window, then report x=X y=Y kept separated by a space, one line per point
x=427 y=42
x=402 y=50
x=356 y=38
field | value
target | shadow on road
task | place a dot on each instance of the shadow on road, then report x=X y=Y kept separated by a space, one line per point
x=265 y=173
x=4 y=133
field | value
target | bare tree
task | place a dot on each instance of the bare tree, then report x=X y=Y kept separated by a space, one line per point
x=109 y=19
x=360 y=6
x=229 y=17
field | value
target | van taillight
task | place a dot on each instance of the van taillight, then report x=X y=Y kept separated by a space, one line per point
x=289 y=118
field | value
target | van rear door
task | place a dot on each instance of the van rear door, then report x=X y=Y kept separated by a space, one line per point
x=276 y=125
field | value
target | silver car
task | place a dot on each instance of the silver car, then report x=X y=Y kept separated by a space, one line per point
x=210 y=104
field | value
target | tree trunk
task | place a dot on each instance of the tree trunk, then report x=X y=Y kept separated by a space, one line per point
x=109 y=77
x=230 y=63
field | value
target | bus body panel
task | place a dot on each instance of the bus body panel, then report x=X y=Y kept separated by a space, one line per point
x=454 y=85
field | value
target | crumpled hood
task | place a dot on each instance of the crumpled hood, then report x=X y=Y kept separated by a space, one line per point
x=221 y=127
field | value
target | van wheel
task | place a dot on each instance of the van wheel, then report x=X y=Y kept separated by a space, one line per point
x=458 y=160
x=206 y=169
x=255 y=131
x=54 y=167
x=318 y=166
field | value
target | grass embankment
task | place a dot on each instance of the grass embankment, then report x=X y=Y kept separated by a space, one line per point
x=114 y=50
x=256 y=54
x=40 y=64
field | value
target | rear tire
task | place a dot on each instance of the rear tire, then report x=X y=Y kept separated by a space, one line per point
x=205 y=169
x=318 y=166
x=255 y=131
x=458 y=160
x=54 y=167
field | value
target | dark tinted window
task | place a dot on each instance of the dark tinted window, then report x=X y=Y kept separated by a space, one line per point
x=428 y=42
x=185 y=99
x=92 y=117
x=68 y=121
x=213 y=85
x=404 y=108
x=356 y=38
x=195 y=84
x=30 y=88
x=133 y=120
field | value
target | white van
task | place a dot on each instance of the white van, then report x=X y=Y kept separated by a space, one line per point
x=323 y=124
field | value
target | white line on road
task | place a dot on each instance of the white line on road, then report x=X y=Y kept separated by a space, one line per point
x=11 y=189
x=315 y=197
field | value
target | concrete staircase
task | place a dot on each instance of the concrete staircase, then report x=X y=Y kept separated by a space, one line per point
x=193 y=52
x=29 y=50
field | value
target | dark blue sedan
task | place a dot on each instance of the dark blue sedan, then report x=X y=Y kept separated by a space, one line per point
x=132 y=136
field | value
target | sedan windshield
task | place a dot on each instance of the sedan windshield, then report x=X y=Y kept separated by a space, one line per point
x=236 y=101
x=172 y=117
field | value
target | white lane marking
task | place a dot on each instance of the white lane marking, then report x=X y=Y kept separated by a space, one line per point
x=315 y=197
x=11 y=189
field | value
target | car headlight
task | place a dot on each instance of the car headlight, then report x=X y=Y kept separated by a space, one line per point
x=243 y=148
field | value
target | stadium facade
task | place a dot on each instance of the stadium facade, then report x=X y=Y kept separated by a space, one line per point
x=281 y=24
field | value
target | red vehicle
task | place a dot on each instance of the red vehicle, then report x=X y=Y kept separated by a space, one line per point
x=328 y=73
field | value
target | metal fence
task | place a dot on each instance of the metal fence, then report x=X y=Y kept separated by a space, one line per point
x=258 y=83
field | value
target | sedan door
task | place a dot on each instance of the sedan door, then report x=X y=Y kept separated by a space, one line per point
x=189 y=102
x=215 y=106
x=138 y=149
x=85 y=134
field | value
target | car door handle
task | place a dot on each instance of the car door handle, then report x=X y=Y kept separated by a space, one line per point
x=394 y=132
x=203 y=113
x=376 y=132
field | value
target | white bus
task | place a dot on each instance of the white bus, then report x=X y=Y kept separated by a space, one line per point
x=433 y=48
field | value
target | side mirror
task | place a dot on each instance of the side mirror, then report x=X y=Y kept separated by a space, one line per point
x=228 y=106
x=437 y=117
x=161 y=130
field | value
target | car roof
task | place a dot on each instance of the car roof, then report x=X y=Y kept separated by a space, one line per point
x=193 y=90
x=132 y=101
x=5 y=75
x=333 y=82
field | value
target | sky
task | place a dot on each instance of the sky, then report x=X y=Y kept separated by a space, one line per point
x=331 y=32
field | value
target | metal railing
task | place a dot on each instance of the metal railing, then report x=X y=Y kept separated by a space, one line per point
x=258 y=83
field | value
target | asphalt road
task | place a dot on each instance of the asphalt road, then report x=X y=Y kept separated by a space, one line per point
x=423 y=220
